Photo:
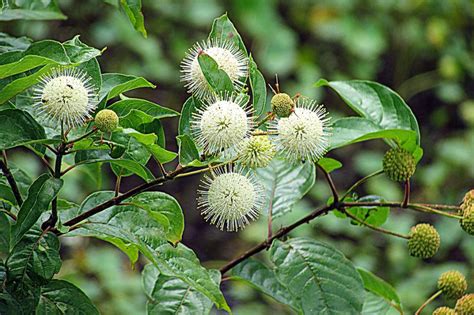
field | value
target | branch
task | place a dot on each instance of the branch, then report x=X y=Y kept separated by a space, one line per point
x=406 y=196
x=330 y=183
x=11 y=180
x=281 y=232
x=430 y=299
x=53 y=219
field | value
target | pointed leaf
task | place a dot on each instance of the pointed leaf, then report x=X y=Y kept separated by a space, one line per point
x=379 y=287
x=217 y=78
x=18 y=128
x=259 y=88
x=223 y=29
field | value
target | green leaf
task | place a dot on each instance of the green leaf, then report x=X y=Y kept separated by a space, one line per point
x=285 y=184
x=374 y=305
x=188 y=151
x=329 y=164
x=265 y=280
x=133 y=10
x=18 y=128
x=169 y=295
x=147 y=232
x=62 y=297
x=323 y=280
x=350 y=130
x=134 y=112
x=379 y=287
x=149 y=142
x=377 y=103
x=223 y=29
x=46 y=52
x=128 y=165
x=31 y=10
x=114 y=84
x=259 y=88
x=36 y=255
x=159 y=203
x=4 y=234
x=217 y=78
x=10 y=43
x=189 y=107
x=40 y=195
x=375 y=216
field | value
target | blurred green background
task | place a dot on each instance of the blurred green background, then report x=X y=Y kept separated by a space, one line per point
x=423 y=49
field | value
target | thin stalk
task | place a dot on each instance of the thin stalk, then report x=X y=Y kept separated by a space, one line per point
x=406 y=196
x=264 y=120
x=360 y=182
x=10 y=179
x=330 y=183
x=431 y=299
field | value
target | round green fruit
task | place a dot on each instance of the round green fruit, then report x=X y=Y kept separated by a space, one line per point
x=424 y=241
x=399 y=164
x=106 y=120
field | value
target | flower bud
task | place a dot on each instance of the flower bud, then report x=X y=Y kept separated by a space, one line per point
x=106 y=120
x=465 y=305
x=282 y=105
x=424 y=241
x=399 y=164
x=453 y=284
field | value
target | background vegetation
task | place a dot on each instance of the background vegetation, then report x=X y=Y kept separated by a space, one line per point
x=422 y=49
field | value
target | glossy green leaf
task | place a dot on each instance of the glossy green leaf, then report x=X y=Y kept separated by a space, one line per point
x=217 y=78
x=134 y=112
x=36 y=255
x=374 y=305
x=350 y=130
x=31 y=10
x=62 y=297
x=114 y=84
x=259 y=88
x=147 y=232
x=10 y=43
x=40 y=195
x=329 y=164
x=133 y=10
x=377 y=103
x=4 y=234
x=375 y=216
x=128 y=165
x=265 y=280
x=223 y=29
x=189 y=107
x=18 y=128
x=169 y=295
x=149 y=141
x=188 y=151
x=380 y=287
x=285 y=184
x=323 y=280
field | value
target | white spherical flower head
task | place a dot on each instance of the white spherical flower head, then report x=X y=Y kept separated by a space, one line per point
x=66 y=97
x=229 y=199
x=222 y=124
x=227 y=56
x=304 y=134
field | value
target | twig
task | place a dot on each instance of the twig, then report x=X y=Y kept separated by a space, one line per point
x=360 y=182
x=431 y=299
x=264 y=120
x=406 y=196
x=281 y=232
x=330 y=183
x=375 y=228
x=11 y=180
x=83 y=136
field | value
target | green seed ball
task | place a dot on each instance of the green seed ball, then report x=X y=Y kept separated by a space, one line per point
x=467 y=201
x=443 y=310
x=452 y=283
x=399 y=164
x=467 y=221
x=465 y=305
x=282 y=105
x=424 y=241
x=106 y=120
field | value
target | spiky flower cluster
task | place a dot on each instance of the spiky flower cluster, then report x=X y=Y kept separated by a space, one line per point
x=230 y=199
x=424 y=241
x=468 y=201
x=452 y=283
x=399 y=164
x=222 y=124
x=465 y=305
x=304 y=134
x=228 y=57
x=443 y=310
x=106 y=120
x=65 y=96
x=256 y=151
x=467 y=220
x=282 y=105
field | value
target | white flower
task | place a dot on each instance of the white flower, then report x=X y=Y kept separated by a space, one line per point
x=227 y=56
x=222 y=123
x=65 y=96
x=230 y=199
x=256 y=151
x=304 y=134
